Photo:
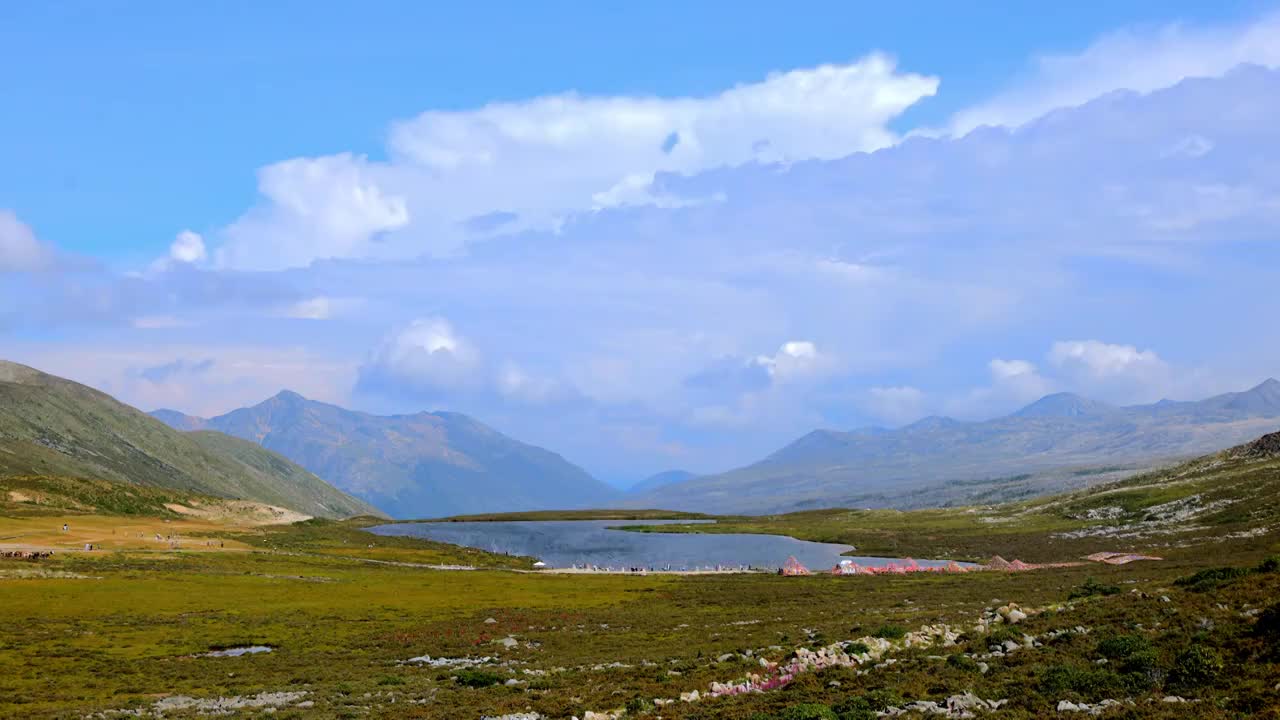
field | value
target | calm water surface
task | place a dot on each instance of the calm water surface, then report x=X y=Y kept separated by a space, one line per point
x=592 y=542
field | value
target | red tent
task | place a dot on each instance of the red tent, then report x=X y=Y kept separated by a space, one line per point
x=793 y=567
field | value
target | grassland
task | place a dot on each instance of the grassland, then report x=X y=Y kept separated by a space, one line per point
x=343 y=610
x=53 y=427
x=1183 y=510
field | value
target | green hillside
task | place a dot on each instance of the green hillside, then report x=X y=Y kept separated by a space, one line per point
x=1228 y=497
x=420 y=465
x=54 y=427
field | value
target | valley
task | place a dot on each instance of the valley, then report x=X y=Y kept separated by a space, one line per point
x=121 y=630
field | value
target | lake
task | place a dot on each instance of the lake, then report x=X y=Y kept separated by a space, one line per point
x=565 y=543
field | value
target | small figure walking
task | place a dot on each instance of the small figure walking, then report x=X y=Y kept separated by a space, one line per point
x=64 y=527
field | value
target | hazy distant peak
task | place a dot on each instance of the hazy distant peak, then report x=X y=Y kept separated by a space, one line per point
x=932 y=422
x=179 y=420
x=662 y=479
x=288 y=396
x=1064 y=404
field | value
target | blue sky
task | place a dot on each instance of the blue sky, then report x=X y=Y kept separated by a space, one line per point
x=117 y=104
x=648 y=237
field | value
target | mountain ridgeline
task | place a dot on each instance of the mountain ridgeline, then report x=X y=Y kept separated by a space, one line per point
x=412 y=466
x=1058 y=442
x=55 y=427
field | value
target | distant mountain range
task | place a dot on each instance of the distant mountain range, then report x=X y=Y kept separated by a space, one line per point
x=421 y=465
x=56 y=427
x=662 y=479
x=1057 y=442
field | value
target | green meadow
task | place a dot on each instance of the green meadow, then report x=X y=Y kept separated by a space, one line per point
x=124 y=631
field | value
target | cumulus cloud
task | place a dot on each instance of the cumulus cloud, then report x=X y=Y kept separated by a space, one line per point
x=188 y=247
x=895 y=405
x=1018 y=379
x=206 y=379
x=20 y=250
x=1136 y=59
x=517 y=384
x=1013 y=383
x=426 y=357
x=1112 y=372
x=530 y=164
x=328 y=207
x=730 y=326
x=1118 y=372
x=795 y=360
x=1104 y=361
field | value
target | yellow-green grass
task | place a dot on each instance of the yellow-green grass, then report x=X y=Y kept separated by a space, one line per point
x=86 y=632
x=126 y=632
x=341 y=627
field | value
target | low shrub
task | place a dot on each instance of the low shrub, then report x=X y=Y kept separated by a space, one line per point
x=1002 y=633
x=1211 y=578
x=807 y=711
x=1090 y=683
x=1268 y=625
x=865 y=706
x=1195 y=667
x=855 y=708
x=881 y=700
x=890 y=632
x=856 y=648
x=962 y=662
x=1093 y=588
x=1118 y=647
x=476 y=678
x=638 y=705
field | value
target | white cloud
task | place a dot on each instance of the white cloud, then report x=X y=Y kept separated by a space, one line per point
x=1099 y=360
x=1139 y=59
x=895 y=405
x=425 y=357
x=541 y=160
x=1014 y=383
x=188 y=247
x=900 y=265
x=1018 y=379
x=20 y=250
x=515 y=383
x=1119 y=373
x=795 y=360
x=327 y=207
x=222 y=378
x=317 y=308
x=321 y=307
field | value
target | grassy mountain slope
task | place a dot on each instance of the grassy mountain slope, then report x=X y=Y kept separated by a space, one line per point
x=1059 y=442
x=421 y=465
x=1230 y=498
x=54 y=427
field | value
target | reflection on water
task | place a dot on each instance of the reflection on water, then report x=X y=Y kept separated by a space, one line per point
x=565 y=543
